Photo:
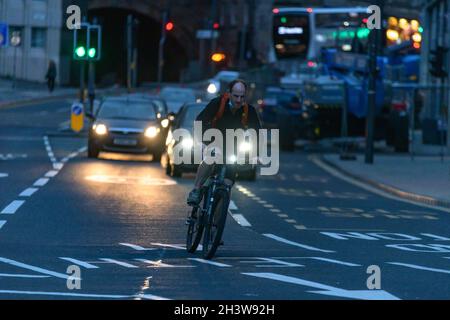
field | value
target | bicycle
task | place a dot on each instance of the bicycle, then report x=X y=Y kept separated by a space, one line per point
x=209 y=216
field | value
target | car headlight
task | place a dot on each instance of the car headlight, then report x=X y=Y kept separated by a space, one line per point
x=165 y=123
x=188 y=143
x=151 y=132
x=212 y=88
x=245 y=147
x=232 y=158
x=100 y=129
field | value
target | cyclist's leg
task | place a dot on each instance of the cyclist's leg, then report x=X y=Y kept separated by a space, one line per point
x=203 y=172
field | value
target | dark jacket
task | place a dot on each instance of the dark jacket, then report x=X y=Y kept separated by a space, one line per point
x=228 y=120
x=51 y=71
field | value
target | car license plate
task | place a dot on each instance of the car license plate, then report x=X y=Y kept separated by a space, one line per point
x=125 y=142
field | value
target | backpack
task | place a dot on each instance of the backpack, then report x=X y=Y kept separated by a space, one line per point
x=219 y=114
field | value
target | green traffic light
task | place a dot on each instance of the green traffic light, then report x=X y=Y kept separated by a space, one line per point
x=80 y=52
x=92 y=53
x=283 y=19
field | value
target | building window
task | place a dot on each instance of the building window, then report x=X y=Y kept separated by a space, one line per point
x=38 y=37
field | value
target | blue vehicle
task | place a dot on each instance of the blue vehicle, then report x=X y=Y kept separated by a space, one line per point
x=283 y=109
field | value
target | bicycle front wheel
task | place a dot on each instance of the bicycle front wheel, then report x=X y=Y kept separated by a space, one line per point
x=195 y=227
x=215 y=224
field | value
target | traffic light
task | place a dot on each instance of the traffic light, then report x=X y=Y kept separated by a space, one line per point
x=437 y=62
x=169 y=26
x=80 y=42
x=95 y=43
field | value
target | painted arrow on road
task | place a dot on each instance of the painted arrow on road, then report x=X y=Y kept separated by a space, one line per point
x=328 y=290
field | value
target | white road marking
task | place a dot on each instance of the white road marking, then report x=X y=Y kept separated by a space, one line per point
x=136 y=247
x=82 y=295
x=37 y=269
x=12 y=207
x=217 y=264
x=41 y=182
x=3 y=175
x=80 y=263
x=51 y=173
x=8 y=275
x=120 y=263
x=328 y=290
x=160 y=264
x=241 y=220
x=275 y=210
x=300 y=227
x=232 y=206
x=269 y=206
x=173 y=246
x=2 y=223
x=296 y=244
x=336 y=261
x=58 y=166
x=290 y=221
x=72 y=155
x=413 y=266
x=282 y=215
x=278 y=263
x=28 y=192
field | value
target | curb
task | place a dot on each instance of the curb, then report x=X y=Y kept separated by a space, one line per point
x=388 y=189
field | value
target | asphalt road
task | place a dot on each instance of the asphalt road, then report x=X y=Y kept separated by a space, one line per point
x=302 y=234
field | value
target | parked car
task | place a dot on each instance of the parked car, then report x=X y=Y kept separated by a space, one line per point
x=176 y=97
x=185 y=120
x=283 y=109
x=125 y=124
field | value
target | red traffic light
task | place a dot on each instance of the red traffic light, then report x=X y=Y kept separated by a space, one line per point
x=169 y=26
x=216 y=25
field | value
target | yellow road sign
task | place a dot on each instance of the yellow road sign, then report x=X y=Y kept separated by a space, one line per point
x=77 y=117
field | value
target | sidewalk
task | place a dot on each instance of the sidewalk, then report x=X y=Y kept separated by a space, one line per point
x=28 y=91
x=426 y=178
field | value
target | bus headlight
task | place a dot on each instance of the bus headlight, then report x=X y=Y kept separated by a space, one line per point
x=100 y=129
x=151 y=132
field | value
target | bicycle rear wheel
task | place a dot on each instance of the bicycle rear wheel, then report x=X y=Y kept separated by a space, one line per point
x=216 y=223
x=195 y=227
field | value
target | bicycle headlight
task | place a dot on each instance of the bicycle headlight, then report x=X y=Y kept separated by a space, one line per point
x=188 y=143
x=245 y=147
x=165 y=123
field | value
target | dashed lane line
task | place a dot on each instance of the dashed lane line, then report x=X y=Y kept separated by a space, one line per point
x=41 y=182
x=12 y=207
x=2 y=223
x=217 y=264
x=28 y=192
x=240 y=219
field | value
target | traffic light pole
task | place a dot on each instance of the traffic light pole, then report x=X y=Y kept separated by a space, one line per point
x=162 y=41
x=371 y=97
x=82 y=76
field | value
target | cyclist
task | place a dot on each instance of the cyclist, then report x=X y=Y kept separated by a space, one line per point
x=228 y=111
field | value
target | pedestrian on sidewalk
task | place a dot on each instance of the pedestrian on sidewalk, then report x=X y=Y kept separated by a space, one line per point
x=51 y=75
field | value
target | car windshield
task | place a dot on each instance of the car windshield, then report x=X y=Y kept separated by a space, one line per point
x=178 y=95
x=123 y=109
x=190 y=115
